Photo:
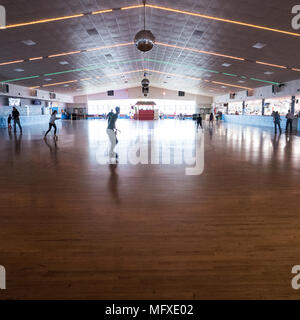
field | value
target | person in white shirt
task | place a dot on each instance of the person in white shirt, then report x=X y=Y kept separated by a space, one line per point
x=289 y=121
x=52 y=124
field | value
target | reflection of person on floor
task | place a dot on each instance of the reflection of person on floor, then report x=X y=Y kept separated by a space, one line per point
x=211 y=119
x=9 y=122
x=113 y=183
x=53 y=151
x=16 y=118
x=289 y=121
x=18 y=140
x=277 y=121
x=111 y=132
x=52 y=124
x=199 y=121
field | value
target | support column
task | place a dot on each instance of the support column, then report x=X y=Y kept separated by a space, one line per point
x=263 y=107
x=293 y=104
x=244 y=105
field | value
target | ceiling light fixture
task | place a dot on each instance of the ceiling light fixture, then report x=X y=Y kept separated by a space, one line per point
x=224 y=20
x=144 y=40
x=59 y=83
x=29 y=42
x=271 y=65
x=11 y=62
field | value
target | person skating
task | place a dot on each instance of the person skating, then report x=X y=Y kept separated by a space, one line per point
x=52 y=124
x=111 y=132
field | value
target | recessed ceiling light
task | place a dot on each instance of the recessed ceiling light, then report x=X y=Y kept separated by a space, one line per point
x=223 y=87
x=241 y=81
x=64 y=62
x=268 y=72
x=29 y=42
x=48 y=79
x=207 y=75
x=19 y=70
x=259 y=45
x=66 y=85
x=226 y=64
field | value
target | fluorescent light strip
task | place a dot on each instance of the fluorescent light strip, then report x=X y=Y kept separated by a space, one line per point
x=24 y=24
x=11 y=62
x=25 y=78
x=133 y=7
x=102 y=11
x=64 y=54
x=154 y=71
x=230 y=85
x=270 y=82
x=159 y=8
x=223 y=20
x=200 y=51
x=109 y=47
x=37 y=58
x=271 y=65
x=34 y=87
x=59 y=83
x=295 y=69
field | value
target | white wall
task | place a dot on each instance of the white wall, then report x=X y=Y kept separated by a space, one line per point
x=155 y=93
x=24 y=92
x=291 y=88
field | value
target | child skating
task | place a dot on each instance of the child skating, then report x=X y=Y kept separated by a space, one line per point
x=52 y=124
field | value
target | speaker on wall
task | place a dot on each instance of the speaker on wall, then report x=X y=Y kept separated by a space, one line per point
x=4 y=88
x=181 y=93
x=52 y=95
x=232 y=96
x=110 y=93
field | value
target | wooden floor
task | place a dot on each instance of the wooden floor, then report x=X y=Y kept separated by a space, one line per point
x=75 y=229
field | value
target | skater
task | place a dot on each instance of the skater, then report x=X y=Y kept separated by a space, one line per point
x=52 y=124
x=16 y=118
x=111 y=132
x=199 y=121
x=277 y=121
x=9 y=122
x=289 y=121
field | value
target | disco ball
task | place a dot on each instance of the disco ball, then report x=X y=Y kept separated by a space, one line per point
x=145 y=83
x=144 y=40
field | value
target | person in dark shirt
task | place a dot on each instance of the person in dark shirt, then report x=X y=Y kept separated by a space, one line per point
x=111 y=131
x=277 y=121
x=9 y=122
x=199 y=121
x=16 y=118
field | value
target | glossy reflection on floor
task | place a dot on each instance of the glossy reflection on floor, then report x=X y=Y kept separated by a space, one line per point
x=71 y=227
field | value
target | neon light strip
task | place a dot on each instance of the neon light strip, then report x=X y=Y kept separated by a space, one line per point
x=25 y=78
x=24 y=24
x=59 y=83
x=37 y=58
x=159 y=8
x=223 y=20
x=230 y=85
x=271 y=65
x=63 y=54
x=200 y=51
x=11 y=62
x=295 y=69
x=102 y=11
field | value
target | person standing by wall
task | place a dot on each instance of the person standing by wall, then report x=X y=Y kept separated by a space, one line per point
x=199 y=121
x=16 y=118
x=277 y=121
x=289 y=121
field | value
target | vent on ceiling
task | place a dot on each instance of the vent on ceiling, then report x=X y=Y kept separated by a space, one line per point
x=109 y=56
x=198 y=33
x=92 y=32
